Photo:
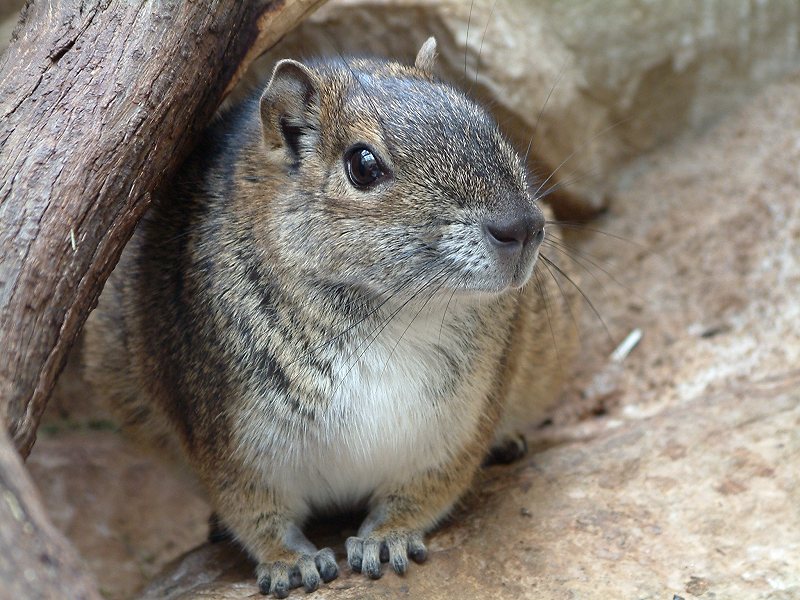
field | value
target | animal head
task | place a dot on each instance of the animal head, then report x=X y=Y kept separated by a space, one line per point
x=390 y=177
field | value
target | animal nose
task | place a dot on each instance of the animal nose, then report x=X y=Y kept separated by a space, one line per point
x=511 y=235
x=507 y=234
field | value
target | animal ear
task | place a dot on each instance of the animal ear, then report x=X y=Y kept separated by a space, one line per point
x=426 y=57
x=290 y=108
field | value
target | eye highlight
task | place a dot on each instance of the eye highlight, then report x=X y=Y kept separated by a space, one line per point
x=362 y=166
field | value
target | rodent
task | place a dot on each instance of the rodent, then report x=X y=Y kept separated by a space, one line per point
x=331 y=306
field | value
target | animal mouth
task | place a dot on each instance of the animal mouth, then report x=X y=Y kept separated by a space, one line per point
x=524 y=271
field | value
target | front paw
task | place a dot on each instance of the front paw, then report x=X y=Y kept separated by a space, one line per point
x=396 y=546
x=281 y=576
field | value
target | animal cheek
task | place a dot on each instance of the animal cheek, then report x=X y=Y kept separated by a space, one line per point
x=462 y=244
x=432 y=236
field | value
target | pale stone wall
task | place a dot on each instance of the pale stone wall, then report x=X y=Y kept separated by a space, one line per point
x=640 y=71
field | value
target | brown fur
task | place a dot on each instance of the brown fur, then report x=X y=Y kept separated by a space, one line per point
x=264 y=289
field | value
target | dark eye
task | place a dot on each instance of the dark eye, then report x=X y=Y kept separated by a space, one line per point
x=363 y=169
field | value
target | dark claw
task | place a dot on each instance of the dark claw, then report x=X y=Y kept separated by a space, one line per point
x=399 y=564
x=295 y=579
x=264 y=584
x=355 y=553
x=416 y=549
x=281 y=590
x=326 y=565
x=366 y=555
x=396 y=546
x=372 y=559
x=280 y=580
x=307 y=573
x=311 y=582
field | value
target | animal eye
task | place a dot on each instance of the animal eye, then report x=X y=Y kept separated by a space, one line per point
x=363 y=169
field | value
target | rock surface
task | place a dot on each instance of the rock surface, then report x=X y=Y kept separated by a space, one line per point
x=126 y=515
x=695 y=502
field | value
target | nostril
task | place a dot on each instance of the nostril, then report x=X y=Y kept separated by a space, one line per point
x=512 y=233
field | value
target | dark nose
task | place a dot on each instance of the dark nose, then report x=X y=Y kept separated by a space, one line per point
x=511 y=235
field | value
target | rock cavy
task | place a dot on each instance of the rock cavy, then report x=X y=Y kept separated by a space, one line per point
x=334 y=305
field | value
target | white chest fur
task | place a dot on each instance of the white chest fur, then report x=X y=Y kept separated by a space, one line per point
x=397 y=409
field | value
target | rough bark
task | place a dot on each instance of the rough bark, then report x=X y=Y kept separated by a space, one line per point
x=99 y=100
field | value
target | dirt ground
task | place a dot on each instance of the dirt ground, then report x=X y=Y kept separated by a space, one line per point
x=673 y=472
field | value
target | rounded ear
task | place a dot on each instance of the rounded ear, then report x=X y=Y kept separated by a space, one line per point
x=290 y=108
x=426 y=57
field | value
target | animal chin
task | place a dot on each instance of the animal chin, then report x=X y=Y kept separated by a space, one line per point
x=495 y=285
x=498 y=277
x=523 y=272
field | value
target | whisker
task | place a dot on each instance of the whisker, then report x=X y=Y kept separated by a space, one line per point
x=373 y=335
x=480 y=48
x=581 y=227
x=569 y=251
x=391 y=294
x=369 y=339
x=552 y=244
x=541 y=112
x=581 y=147
x=466 y=42
x=575 y=324
x=567 y=182
x=581 y=292
x=444 y=314
x=397 y=343
x=543 y=294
